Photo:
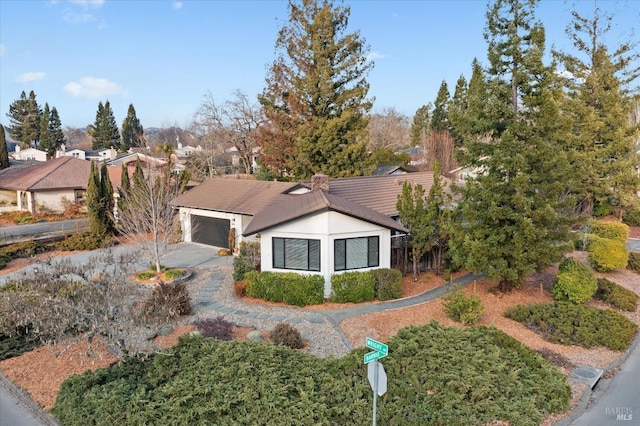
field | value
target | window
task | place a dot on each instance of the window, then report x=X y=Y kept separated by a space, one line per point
x=80 y=196
x=356 y=253
x=295 y=253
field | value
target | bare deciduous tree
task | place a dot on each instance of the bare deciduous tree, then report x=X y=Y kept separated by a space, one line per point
x=146 y=216
x=231 y=124
x=389 y=129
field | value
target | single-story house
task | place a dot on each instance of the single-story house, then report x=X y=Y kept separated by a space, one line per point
x=29 y=154
x=325 y=226
x=50 y=184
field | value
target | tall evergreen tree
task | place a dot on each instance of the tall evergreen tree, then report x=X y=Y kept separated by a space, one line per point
x=55 y=127
x=105 y=131
x=24 y=120
x=413 y=215
x=439 y=116
x=45 y=137
x=315 y=99
x=420 y=125
x=95 y=208
x=438 y=216
x=515 y=215
x=599 y=102
x=4 y=152
x=132 y=130
x=106 y=193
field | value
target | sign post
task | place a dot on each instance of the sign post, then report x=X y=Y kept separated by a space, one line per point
x=375 y=371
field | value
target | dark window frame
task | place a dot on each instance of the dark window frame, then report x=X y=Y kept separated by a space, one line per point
x=312 y=248
x=340 y=264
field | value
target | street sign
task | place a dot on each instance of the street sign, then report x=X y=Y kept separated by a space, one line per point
x=372 y=369
x=372 y=356
x=377 y=346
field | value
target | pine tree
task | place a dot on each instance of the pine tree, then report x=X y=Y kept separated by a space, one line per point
x=45 y=137
x=413 y=215
x=105 y=130
x=4 y=152
x=439 y=117
x=438 y=216
x=24 y=120
x=125 y=184
x=55 y=127
x=515 y=213
x=315 y=99
x=132 y=130
x=420 y=125
x=599 y=103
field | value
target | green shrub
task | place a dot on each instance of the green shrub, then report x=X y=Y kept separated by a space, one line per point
x=632 y=217
x=248 y=259
x=388 y=283
x=82 y=241
x=172 y=274
x=602 y=208
x=634 y=261
x=571 y=324
x=610 y=229
x=462 y=308
x=145 y=275
x=606 y=255
x=15 y=343
x=353 y=286
x=4 y=259
x=215 y=328
x=575 y=283
x=167 y=302
x=286 y=335
x=23 y=249
x=288 y=287
x=616 y=295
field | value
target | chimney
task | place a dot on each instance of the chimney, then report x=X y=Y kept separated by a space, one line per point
x=320 y=181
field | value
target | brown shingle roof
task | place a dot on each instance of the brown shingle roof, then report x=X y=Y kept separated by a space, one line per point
x=56 y=174
x=298 y=206
x=240 y=196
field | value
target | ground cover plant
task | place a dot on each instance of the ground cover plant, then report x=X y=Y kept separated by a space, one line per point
x=616 y=295
x=438 y=375
x=571 y=324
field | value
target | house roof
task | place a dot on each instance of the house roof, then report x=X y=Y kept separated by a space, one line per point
x=60 y=173
x=240 y=196
x=380 y=193
x=317 y=201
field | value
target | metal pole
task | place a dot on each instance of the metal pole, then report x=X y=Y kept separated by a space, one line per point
x=375 y=390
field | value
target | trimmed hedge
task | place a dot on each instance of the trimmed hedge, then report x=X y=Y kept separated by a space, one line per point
x=571 y=324
x=288 y=287
x=353 y=287
x=575 y=283
x=606 y=255
x=634 y=261
x=616 y=295
x=388 y=283
x=610 y=229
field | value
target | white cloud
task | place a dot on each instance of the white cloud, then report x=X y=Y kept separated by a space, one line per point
x=3 y=50
x=94 y=88
x=88 y=4
x=177 y=5
x=78 y=18
x=374 y=55
x=30 y=76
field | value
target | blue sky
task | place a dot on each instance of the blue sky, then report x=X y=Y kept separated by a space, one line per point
x=164 y=56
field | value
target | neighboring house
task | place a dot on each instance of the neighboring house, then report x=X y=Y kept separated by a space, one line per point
x=184 y=151
x=389 y=170
x=29 y=154
x=49 y=185
x=319 y=227
x=462 y=174
x=129 y=158
x=75 y=152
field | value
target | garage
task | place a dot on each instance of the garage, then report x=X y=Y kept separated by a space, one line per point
x=212 y=231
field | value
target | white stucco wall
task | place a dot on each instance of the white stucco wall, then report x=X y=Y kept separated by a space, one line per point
x=51 y=200
x=326 y=227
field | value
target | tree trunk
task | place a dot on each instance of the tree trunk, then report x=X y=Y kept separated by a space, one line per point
x=505 y=286
x=416 y=261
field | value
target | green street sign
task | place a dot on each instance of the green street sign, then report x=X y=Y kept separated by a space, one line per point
x=377 y=346
x=379 y=350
